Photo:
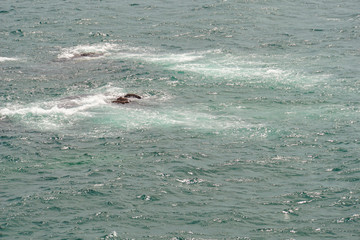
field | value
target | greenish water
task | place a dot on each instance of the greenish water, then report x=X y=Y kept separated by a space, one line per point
x=248 y=126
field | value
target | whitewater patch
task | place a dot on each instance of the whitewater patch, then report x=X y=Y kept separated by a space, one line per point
x=140 y=117
x=87 y=51
x=98 y=111
x=159 y=58
x=123 y=51
x=211 y=66
x=4 y=59
x=75 y=107
x=217 y=66
x=55 y=113
x=214 y=64
x=67 y=106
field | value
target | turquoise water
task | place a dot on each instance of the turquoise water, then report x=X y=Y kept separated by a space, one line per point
x=248 y=127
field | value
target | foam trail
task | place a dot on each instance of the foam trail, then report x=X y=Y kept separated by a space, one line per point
x=131 y=117
x=4 y=59
x=68 y=105
x=210 y=63
x=219 y=66
x=97 y=108
x=165 y=58
x=157 y=57
x=54 y=114
x=214 y=65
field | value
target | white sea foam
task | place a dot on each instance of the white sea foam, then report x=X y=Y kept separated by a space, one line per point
x=215 y=65
x=4 y=59
x=99 y=50
x=140 y=114
x=219 y=66
x=158 y=57
x=55 y=113
x=145 y=116
x=67 y=106
x=124 y=51
x=172 y=58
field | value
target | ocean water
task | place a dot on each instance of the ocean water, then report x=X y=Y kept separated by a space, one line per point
x=248 y=126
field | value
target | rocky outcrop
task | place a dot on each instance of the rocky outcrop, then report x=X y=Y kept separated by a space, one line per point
x=125 y=99
x=87 y=54
x=132 y=95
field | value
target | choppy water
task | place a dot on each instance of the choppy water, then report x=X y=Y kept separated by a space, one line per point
x=248 y=127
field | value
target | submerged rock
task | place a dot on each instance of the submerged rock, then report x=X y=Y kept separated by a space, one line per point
x=132 y=95
x=88 y=54
x=125 y=99
x=121 y=100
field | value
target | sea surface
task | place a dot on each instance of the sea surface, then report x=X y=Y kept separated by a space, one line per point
x=248 y=126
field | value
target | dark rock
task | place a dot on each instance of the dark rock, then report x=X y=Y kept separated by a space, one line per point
x=121 y=100
x=88 y=54
x=125 y=99
x=132 y=95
